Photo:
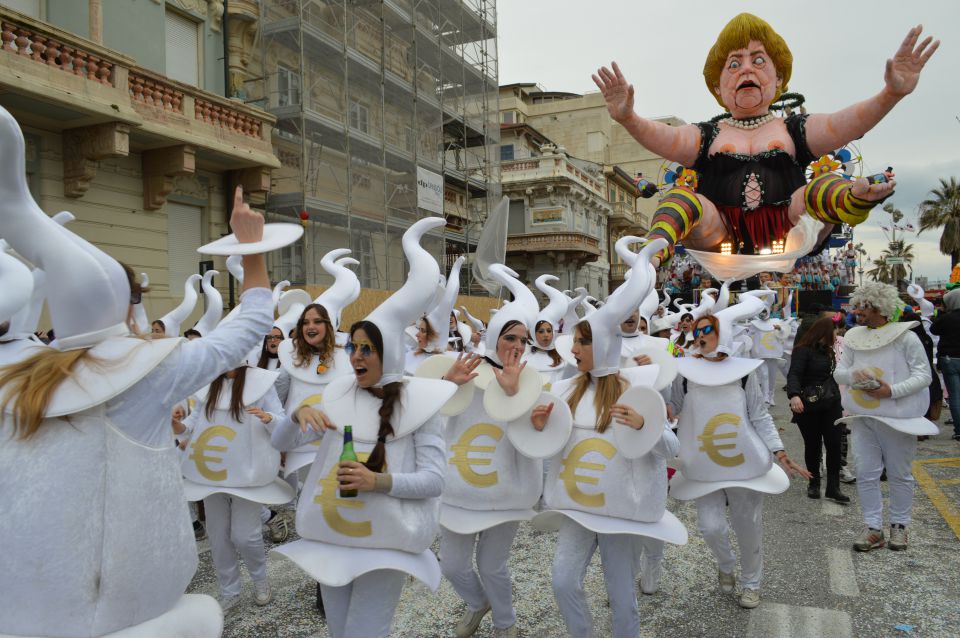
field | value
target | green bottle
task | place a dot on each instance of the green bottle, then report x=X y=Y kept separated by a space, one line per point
x=348 y=455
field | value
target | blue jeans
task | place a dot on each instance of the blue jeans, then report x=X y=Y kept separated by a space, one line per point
x=950 y=367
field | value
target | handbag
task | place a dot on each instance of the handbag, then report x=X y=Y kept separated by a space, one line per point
x=820 y=396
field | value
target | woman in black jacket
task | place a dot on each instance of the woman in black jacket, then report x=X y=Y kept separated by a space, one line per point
x=812 y=365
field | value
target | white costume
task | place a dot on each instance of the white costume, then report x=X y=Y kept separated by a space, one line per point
x=361 y=549
x=105 y=566
x=305 y=383
x=734 y=466
x=604 y=489
x=885 y=430
x=539 y=357
x=232 y=467
x=489 y=486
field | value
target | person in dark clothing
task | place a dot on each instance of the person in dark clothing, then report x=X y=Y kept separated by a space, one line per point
x=935 y=389
x=812 y=364
x=947 y=327
x=808 y=319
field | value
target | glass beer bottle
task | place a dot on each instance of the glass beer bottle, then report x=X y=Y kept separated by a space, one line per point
x=348 y=455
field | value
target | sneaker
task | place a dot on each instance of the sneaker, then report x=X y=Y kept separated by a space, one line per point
x=199 y=531
x=469 y=622
x=279 y=530
x=750 y=598
x=650 y=572
x=727 y=582
x=229 y=602
x=898 y=538
x=509 y=632
x=261 y=593
x=869 y=539
x=846 y=476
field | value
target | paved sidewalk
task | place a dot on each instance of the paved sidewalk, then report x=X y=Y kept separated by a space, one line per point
x=815 y=585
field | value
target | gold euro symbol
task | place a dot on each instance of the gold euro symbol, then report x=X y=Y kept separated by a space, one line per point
x=573 y=463
x=202 y=445
x=863 y=399
x=709 y=437
x=462 y=449
x=765 y=340
x=313 y=399
x=330 y=503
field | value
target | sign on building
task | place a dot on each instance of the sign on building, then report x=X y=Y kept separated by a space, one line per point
x=429 y=191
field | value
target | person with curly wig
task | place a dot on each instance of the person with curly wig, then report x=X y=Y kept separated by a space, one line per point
x=886 y=374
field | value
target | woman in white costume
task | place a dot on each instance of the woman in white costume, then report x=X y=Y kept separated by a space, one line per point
x=361 y=549
x=608 y=483
x=105 y=567
x=543 y=355
x=718 y=398
x=432 y=333
x=311 y=359
x=234 y=417
x=490 y=486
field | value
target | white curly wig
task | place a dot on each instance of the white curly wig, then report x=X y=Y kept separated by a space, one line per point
x=883 y=297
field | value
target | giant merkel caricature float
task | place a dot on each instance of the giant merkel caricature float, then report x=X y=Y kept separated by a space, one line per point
x=745 y=178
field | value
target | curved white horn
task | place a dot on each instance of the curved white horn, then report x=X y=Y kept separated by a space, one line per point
x=173 y=319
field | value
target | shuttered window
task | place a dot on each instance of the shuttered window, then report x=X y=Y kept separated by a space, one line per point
x=183 y=49
x=183 y=239
x=28 y=7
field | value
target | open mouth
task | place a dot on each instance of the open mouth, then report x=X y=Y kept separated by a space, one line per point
x=749 y=84
x=702 y=344
x=359 y=371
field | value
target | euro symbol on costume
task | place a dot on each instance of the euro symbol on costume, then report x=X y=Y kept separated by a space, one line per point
x=330 y=503
x=464 y=446
x=202 y=445
x=863 y=399
x=573 y=463
x=312 y=400
x=709 y=438
x=765 y=340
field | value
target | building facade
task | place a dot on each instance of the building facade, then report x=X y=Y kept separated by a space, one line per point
x=560 y=215
x=379 y=105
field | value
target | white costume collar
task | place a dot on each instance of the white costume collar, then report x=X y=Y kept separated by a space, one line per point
x=257 y=384
x=864 y=338
x=715 y=373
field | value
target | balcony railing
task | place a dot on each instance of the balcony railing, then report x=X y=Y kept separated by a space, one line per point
x=622 y=214
x=112 y=87
x=554 y=242
x=550 y=167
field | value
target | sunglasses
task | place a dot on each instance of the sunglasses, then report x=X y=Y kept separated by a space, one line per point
x=364 y=347
x=274 y=337
x=705 y=330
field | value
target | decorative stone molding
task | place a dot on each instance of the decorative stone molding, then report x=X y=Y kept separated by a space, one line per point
x=190 y=186
x=83 y=147
x=160 y=168
x=253 y=180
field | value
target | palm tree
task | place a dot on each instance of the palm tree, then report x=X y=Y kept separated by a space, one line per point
x=942 y=209
x=897 y=272
x=880 y=270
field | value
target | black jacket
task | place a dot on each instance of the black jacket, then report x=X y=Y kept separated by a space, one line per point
x=808 y=366
x=947 y=327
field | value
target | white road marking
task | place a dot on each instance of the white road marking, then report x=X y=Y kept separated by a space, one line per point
x=773 y=620
x=833 y=509
x=843 y=577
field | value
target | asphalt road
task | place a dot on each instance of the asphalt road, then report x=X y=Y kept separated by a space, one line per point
x=814 y=583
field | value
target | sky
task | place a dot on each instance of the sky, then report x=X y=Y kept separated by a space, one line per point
x=839 y=56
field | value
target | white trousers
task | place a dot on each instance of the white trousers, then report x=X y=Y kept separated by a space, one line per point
x=490 y=583
x=575 y=548
x=772 y=365
x=365 y=607
x=746 y=516
x=876 y=446
x=233 y=525
x=649 y=550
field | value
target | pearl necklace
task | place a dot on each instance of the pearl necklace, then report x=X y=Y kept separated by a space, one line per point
x=749 y=123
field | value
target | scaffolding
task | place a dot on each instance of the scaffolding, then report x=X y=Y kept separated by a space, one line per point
x=365 y=92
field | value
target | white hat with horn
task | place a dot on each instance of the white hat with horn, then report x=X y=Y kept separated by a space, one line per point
x=16 y=282
x=173 y=319
x=570 y=317
x=723 y=297
x=346 y=286
x=408 y=303
x=439 y=316
x=916 y=292
x=214 y=310
x=522 y=308
x=556 y=307
x=476 y=323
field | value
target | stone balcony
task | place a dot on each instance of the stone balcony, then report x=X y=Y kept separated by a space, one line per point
x=550 y=167
x=566 y=247
x=105 y=105
x=622 y=215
